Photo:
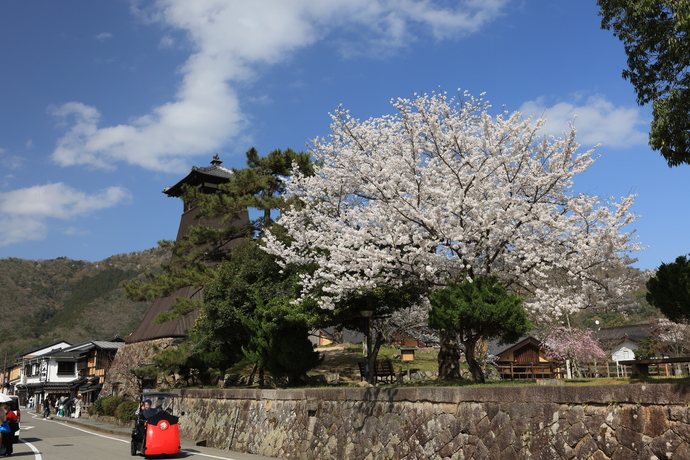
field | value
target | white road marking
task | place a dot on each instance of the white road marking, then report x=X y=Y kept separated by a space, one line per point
x=93 y=433
x=37 y=453
x=38 y=457
x=205 y=455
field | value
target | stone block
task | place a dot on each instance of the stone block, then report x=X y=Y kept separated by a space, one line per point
x=575 y=414
x=665 y=445
x=632 y=417
x=623 y=453
x=655 y=421
x=575 y=433
x=629 y=439
x=586 y=447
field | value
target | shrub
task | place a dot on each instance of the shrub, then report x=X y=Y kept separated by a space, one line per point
x=126 y=411
x=97 y=407
x=107 y=405
x=110 y=405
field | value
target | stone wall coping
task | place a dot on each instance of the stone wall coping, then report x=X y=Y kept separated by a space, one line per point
x=559 y=394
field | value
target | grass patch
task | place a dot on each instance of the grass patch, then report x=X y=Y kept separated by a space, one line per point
x=343 y=359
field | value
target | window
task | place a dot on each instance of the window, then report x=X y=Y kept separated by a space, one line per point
x=31 y=370
x=65 y=368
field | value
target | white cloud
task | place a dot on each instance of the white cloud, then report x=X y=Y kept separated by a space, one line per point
x=103 y=36
x=597 y=120
x=74 y=231
x=10 y=162
x=229 y=39
x=23 y=212
x=166 y=42
x=15 y=229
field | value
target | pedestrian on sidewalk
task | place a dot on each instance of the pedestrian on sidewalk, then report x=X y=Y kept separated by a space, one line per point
x=78 y=407
x=8 y=438
x=46 y=407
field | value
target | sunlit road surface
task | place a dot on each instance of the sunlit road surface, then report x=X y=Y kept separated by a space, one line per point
x=55 y=439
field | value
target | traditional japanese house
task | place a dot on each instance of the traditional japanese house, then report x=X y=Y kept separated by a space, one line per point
x=523 y=359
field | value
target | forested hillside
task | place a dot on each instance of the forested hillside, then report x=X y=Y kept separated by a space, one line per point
x=42 y=301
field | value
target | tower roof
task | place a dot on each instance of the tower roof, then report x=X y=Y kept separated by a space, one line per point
x=206 y=178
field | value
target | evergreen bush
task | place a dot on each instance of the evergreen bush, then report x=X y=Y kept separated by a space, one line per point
x=107 y=405
x=126 y=411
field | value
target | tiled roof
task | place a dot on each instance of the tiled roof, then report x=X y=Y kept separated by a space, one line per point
x=108 y=345
x=64 y=354
x=496 y=349
x=33 y=352
x=148 y=330
x=634 y=332
x=214 y=174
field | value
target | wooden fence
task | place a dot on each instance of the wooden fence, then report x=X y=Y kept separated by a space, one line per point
x=588 y=370
x=530 y=371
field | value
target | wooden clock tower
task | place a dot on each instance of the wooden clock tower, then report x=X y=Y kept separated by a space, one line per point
x=205 y=179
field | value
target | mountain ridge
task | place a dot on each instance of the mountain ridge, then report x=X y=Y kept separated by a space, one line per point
x=46 y=300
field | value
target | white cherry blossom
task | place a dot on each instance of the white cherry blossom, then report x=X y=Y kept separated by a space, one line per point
x=442 y=190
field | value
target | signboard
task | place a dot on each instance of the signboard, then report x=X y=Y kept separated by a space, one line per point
x=407 y=353
x=44 y=371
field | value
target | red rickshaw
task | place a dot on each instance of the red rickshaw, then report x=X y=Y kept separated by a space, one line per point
x=156 y=431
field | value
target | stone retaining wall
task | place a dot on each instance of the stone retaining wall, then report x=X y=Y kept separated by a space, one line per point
x=120 y=379
x=511 y=422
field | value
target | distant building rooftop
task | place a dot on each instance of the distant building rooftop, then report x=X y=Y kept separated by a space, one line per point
x=204 y=177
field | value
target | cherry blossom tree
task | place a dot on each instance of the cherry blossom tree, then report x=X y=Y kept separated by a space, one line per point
x=443 y=192
x=575 y=345
x=675 y=336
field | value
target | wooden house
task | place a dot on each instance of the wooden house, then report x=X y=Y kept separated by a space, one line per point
x=523 y=359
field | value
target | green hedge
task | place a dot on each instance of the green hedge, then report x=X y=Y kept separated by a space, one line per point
x=107 y=405
x=126 y=412
x=115 y=406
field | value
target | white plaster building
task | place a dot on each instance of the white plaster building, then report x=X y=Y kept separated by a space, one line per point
x=62 y=369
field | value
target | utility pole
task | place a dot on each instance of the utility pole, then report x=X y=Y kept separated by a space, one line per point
x=4 y=372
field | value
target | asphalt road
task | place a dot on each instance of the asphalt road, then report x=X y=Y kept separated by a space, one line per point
x=56 y=439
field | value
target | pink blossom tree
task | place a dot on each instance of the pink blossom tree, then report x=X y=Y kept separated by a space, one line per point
x=572 y=344
x=443 y=192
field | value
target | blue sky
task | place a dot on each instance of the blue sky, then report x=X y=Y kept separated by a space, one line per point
x=105 y=103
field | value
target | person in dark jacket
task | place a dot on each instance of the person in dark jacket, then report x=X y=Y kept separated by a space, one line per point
x=46 y=407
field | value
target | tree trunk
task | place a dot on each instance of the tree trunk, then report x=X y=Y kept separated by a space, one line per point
x=250 y=380
x=338 y=335
x=375 y=346
x=471 y=357
x=267 y=219
x=377 y=342
x=449 y=357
